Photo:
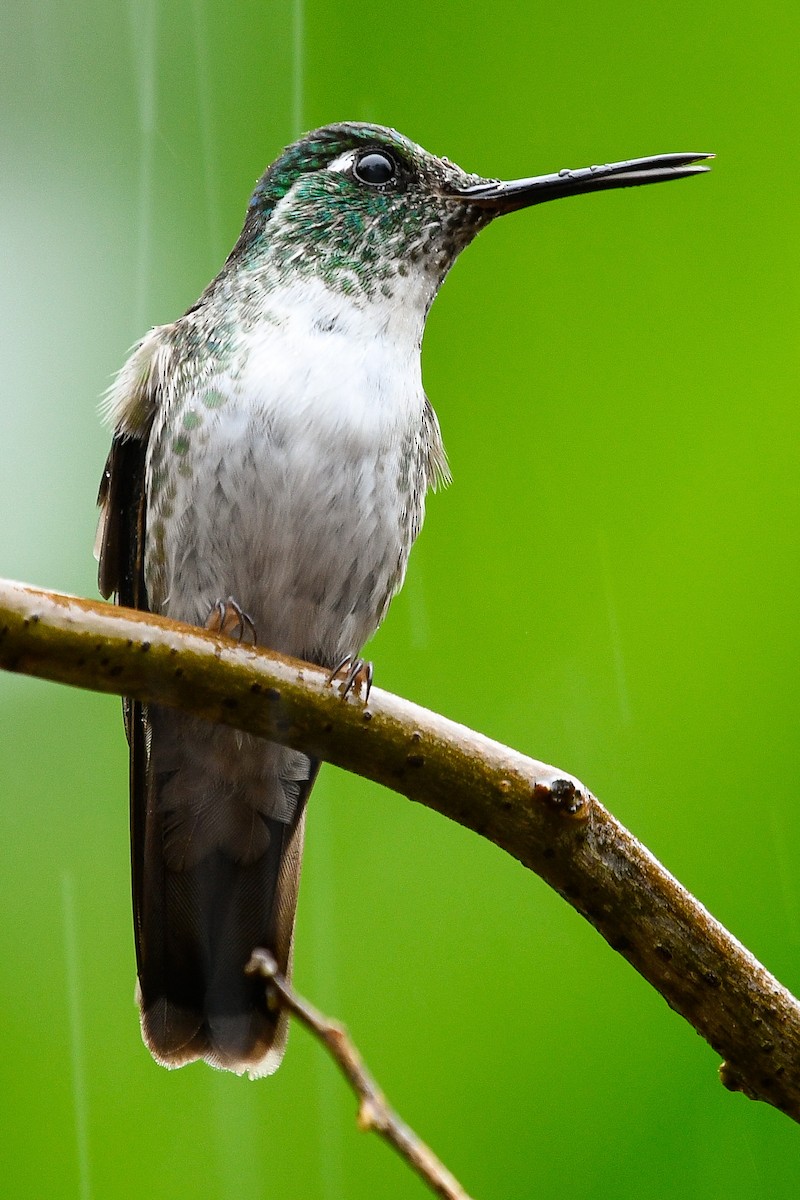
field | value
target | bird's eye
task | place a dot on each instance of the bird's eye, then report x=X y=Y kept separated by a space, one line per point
x=374 y=168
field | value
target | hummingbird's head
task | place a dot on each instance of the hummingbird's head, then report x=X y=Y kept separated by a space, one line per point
x=360 y=205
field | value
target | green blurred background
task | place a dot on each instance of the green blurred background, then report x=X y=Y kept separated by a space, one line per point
x=611 y=584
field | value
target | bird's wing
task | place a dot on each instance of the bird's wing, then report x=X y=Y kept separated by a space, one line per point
x=131 y=403
x=120 y=530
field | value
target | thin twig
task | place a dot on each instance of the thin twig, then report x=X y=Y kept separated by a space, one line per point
x=374 y=1114
x=543 y=817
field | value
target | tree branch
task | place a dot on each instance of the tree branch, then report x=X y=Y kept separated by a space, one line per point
x=373 y=1111
x=543 y=817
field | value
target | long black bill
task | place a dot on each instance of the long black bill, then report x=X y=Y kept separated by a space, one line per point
x=504 y=197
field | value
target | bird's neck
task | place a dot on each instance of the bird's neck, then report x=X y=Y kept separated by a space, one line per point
x=304 y=304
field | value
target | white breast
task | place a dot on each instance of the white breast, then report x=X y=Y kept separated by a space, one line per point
x=302 y=474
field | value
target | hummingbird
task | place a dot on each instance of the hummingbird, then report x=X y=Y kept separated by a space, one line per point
x=267 y=477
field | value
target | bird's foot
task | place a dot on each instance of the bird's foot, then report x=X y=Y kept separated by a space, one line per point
x=352 y=675
x=229 y=618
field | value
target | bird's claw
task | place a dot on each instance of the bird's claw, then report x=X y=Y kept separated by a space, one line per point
x=353 y=674
x=229 y=618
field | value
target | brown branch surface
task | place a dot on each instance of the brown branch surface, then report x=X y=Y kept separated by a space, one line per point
x=542 y=816
x=373 y=1111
